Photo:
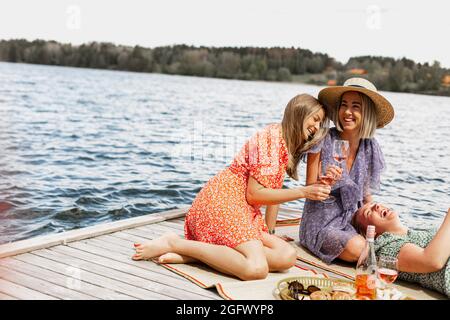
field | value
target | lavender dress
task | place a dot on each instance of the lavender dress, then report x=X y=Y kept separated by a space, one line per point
x=326 y=228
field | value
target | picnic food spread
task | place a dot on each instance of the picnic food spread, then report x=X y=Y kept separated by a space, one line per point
x=311 y=288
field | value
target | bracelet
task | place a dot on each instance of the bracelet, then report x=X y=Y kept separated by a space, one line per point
x=271 y=231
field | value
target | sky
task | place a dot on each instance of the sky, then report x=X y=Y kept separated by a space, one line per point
x=342 y=29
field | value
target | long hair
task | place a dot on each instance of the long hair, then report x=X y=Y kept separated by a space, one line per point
x=369 y=117
x=297 y=111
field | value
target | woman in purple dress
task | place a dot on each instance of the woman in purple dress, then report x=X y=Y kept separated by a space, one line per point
x=357 y=109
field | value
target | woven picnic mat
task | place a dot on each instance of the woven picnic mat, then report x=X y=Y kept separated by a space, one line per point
x=232 y=288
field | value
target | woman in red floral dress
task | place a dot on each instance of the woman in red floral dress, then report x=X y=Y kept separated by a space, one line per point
x=224 y=228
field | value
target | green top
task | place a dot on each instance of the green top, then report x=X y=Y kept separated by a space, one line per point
x=388 y=244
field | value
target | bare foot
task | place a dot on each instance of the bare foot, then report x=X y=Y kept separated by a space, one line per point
x=172 y=257
x=155 y=247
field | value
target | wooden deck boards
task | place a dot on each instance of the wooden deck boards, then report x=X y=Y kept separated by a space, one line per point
x=95 y=263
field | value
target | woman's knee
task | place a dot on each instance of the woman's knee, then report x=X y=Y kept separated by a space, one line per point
x=255 y=266
x=291 y=256
x=255 y=270
x=353 y=249
x=285 y=259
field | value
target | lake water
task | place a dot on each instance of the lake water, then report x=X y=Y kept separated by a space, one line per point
x=81 y=147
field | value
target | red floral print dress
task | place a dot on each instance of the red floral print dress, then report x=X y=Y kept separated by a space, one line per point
x=220 y=213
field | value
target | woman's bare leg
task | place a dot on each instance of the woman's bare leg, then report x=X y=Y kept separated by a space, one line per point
x=353 y=249
x=247 y=261
x=279 y=254
x=172 y=257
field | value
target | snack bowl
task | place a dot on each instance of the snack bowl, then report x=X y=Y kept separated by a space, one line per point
x=315 y=288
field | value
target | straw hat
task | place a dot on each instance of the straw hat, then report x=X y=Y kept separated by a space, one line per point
x=331 y=97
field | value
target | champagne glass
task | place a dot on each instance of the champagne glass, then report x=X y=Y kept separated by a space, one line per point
x=387 y=269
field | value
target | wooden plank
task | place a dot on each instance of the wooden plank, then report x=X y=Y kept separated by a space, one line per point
x=178 y=221
x=70 y=278
x=158 y=230
x=120 y=242
x=98 y=263
x=4 y=296
x=21 y=292
x=172 y=225
x=108 y=289
x=125 y=248
x=161 y=228
x=127 y=236
x=144 y=235
x=125 y=252
x=127 y=273
x=46 y=241
x=40 y=285
x=171 y=279
x=96 y=274
x=123 y=255
x=124 y=272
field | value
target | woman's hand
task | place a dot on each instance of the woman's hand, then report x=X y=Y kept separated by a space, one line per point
x=334 y=173
x=317 y=192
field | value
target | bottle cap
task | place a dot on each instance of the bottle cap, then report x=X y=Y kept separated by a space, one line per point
x=370 y=233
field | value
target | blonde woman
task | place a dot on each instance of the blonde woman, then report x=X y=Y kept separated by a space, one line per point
x=224 y=227
x=357 y=110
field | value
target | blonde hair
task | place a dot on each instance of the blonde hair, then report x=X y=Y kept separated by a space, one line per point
x=297 y=111
x=369 y=117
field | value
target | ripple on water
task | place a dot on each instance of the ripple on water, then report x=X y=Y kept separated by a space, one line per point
x=77 y=216
x=86 y=201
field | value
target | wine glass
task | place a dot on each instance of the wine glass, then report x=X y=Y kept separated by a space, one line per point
x=327 y=180
x=341 y=150
x=387 y=269
x=340 y=153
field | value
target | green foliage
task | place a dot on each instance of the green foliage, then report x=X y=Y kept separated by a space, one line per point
x=249 y=63
x=246 y=63
x=284 y=74
x=402 y=75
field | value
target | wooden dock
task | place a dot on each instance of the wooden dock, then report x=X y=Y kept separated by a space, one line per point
x=95 y=263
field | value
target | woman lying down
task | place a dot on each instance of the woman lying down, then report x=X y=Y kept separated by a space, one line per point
x=423 y=255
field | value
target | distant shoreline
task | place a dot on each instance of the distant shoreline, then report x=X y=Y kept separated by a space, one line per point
x=293 y=82
x=292 y=65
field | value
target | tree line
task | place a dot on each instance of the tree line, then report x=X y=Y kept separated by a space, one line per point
x=245 y=63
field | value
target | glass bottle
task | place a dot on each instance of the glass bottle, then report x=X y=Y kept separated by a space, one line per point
x=366 y=269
